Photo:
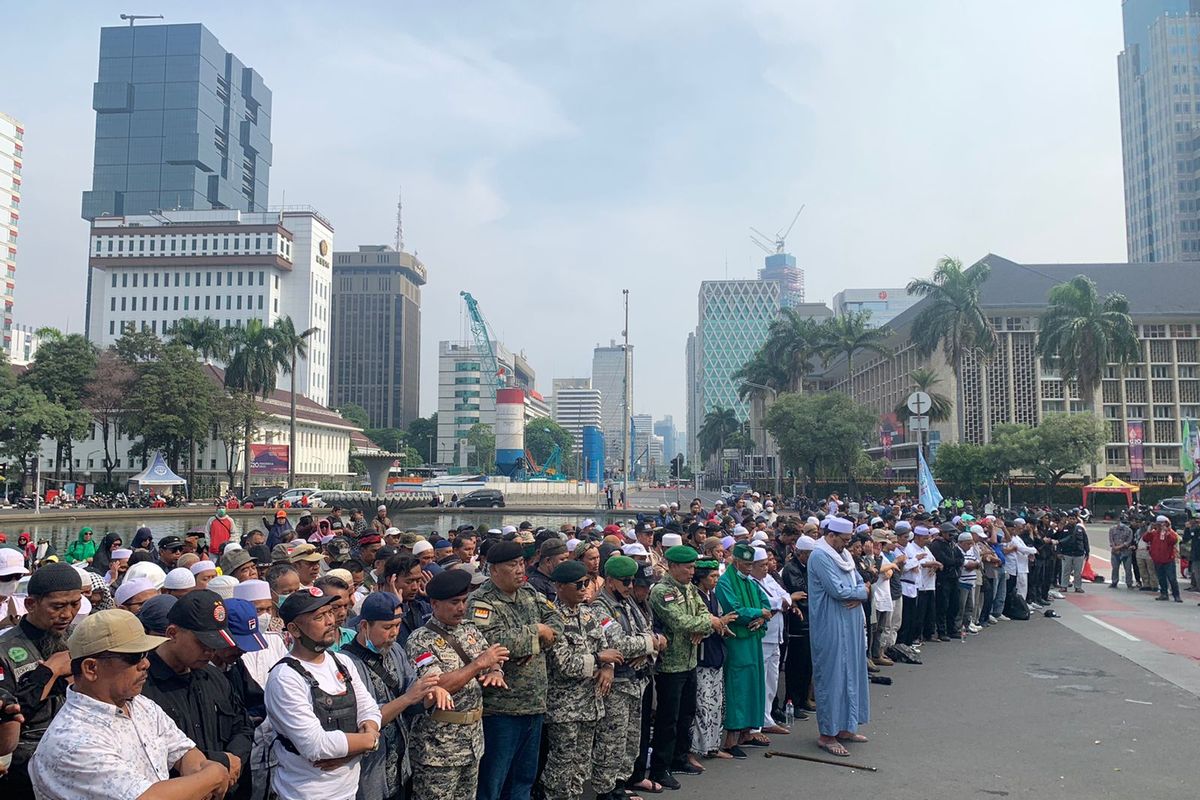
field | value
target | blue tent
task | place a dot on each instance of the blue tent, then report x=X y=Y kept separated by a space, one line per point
x=157 y=474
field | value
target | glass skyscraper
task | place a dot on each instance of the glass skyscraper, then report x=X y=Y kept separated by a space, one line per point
x=180 y=124
x=1159 y=72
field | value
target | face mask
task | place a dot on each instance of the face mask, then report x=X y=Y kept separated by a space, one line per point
x=8 y=587
x=282 y=597
x=264 y=619
x=371 y=646
x=310 y=643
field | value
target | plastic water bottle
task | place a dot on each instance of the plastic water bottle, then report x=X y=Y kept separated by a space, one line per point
x=789 y=713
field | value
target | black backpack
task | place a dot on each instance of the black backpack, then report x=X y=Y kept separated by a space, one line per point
x=1015 y=607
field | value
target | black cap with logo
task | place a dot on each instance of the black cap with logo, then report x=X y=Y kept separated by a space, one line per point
x=203 y=613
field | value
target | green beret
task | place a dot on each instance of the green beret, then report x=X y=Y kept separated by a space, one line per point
x=620 y=567
x=568 y=572
x=743 y=552
x=707 y=563
x=680 y=554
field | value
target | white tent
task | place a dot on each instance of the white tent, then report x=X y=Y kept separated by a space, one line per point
x=157 y=474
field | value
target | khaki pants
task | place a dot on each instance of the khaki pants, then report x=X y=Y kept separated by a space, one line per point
x=1146 y=569
x=887 y=636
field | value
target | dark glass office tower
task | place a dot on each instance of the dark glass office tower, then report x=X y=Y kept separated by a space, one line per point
x=180 y=124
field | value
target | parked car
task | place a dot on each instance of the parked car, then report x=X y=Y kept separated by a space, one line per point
x=1177 y=509
x=263 y=496
x=483 y=498
x=293 y=496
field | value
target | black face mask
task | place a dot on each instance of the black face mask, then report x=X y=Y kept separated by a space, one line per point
x=308 y=642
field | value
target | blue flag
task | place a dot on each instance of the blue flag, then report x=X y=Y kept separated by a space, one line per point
x=928 y=492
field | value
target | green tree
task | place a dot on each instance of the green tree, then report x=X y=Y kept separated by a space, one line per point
x=393 y=440
x=253 y=367
x=925 y=380
x=953 y=319
x=422 y=434
x=720 y=425
x=62 y=369
x=357 y=415
x=171 y=405
x=541 y=437
x=137 y=346
x=794 y=342
x=291 y=345
x=483 y=439
x=26 y=417
x=827 y=429
x=232 y=412
x=962 y=465
x=761 y=370
x=1059 y=446
x=848 y=334
x=106 y=399
x=1084 y=333
x=205 y=337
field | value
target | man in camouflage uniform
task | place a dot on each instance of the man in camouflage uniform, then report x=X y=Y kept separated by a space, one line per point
x=512 y=614
x=446 y=745
x=685 y=619
x=580 y=671
x=628 y=631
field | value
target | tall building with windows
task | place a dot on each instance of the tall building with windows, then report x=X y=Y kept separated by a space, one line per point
x=181 y=123
x=148 y=272
x=884 y=304
x=12 y=156
x=576 y=405
x=467 y=394
x=665 y=428
x=375 y=334
x=608 y=375
x=1159 y=73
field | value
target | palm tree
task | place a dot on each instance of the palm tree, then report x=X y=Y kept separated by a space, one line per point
x=793 y=341
x=252 y=370
x=718 y=425
x=1085 y=333
x=292 y=345
x=953 y=319
x=923 y=380
x=205 y=337
x=851 y=333
x=761 y=370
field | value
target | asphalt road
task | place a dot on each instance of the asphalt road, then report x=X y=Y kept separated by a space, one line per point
x=1024 y=709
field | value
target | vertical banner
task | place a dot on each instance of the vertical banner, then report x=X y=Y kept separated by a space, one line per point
x=927 y=490
x=1135 y=434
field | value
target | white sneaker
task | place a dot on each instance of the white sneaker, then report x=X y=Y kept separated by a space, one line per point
x=1057 y=595
x=1036 y=606
x=1006 y=617
x=992 y=619
x=974 y=628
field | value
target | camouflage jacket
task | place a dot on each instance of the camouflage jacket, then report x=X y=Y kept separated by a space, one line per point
x=511 y=621
x=681 y=612
x=628 y=631
x=447 y=744
x=571 y=667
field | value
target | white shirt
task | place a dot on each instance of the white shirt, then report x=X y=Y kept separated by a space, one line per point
x=289 y=708
x=258 y=664
x=881 y=592
x=780 y=600
x=96 y=751
x=1017 y=562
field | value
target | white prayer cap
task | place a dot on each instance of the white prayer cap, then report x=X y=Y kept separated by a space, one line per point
x=759 y=545
x=130 y=589
x=223 y=585
x=587 y=523
x=863 y=529
x=977 y=530
x=813 y=520
x=120 y=553
x=392 y=532
x=635 y=549
x=738 y=530
x=671 y=540
x=491 y=531
x=903 y=526
x=630 y=535
x=760 y=554
x=85 y=579
x=840 y=525
x=759 y=536
x=920 y=530
x=1161 y=518
x=421 y=547
x=727 y=542
x=148 y=570
x=572 y=544
x=203 y=566
x=876 y=520
x=1018 y=521
x=230 y=547
x=179 y=578
x=507 y=529
x=252 y=590
x=805 y=544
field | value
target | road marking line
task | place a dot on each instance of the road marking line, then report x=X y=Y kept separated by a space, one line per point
x=1112 y=628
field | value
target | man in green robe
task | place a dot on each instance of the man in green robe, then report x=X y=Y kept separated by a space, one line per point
x=745 y=675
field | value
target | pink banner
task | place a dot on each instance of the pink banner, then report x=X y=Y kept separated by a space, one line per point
x=1135 y=433
x=269 y=459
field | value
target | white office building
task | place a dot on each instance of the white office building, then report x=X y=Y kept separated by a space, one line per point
x=883 y=304
x=608 y=376
x=467 y=391
x=12 y=156
x=148 y=272
x=576 y=406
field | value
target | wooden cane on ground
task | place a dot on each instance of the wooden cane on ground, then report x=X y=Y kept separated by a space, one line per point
x=816 y=760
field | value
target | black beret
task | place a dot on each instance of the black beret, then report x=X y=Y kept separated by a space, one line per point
x=568 y=572
x=54 y=578
x=504 y=551
x=448 y=584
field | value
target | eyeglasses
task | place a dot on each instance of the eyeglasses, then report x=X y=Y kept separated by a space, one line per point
x=626 y=581
x=130 y=659
x=581 y=584
x=173 y=548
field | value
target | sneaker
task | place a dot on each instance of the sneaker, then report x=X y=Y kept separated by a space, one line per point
x=944 y=638
x=973 y=629
x=992 y=619
x=1006 y=618
x=1161 y=597
x=1036 y=606
x=1058 y=595
x=884 y=661
x=1078 y=590
x=1178 y=600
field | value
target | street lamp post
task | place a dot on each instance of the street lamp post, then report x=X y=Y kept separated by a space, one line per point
x=774 y=397
x=429 y=436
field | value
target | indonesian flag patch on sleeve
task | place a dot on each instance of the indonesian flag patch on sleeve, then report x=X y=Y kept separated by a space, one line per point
x=481 y=613
x=424 y=660
x=668 y=598
x=607 y=623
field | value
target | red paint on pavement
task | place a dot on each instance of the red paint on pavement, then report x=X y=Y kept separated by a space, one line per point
x=1093 y=603
x=1163 y=634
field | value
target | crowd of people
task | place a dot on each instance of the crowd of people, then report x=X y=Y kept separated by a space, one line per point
x=349 y=659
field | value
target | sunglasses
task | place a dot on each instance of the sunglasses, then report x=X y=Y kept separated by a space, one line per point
x=175 y=548
x=130 y=659
x=626 y=581
x=581 y=584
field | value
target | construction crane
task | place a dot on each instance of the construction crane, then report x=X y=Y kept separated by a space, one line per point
x=550 y=470
x=778 y=243
x=496 y=378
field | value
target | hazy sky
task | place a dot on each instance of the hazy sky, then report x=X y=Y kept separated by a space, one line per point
x=552 y=154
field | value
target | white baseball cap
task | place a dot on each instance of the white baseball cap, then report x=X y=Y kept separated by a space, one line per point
x=634 y=549
x=12 y=562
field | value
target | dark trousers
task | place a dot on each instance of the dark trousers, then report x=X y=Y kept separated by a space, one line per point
x=639 y=763
x=987 y=593
x=676 y=694
x=510 y=756
x=1166 y=575
x=797 y=670
x=1035 y=580
x=926 y=615
x=947 y=607
x=910 y=625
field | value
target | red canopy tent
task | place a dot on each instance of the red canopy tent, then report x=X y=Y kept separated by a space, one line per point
x=1111 y=484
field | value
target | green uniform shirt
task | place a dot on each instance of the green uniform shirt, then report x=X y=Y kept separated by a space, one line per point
x=512 y=620
x=682 y=613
